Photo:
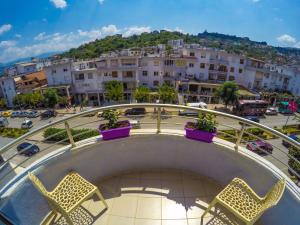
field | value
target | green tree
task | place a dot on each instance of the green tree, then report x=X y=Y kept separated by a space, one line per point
x=228 y=92
x=142 y=94
x=36 y=98
x=169 y=50
x=19 y=100
x=51 y=98
x=2 y=103
x=114 y=90
x=63 y=100
x=167 y=93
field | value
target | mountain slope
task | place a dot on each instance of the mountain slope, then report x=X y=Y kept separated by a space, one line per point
x=230 y=43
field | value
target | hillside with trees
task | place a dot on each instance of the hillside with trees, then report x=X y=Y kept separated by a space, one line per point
x=230 y=43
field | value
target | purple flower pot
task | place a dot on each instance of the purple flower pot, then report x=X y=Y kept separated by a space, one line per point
x=119 y=132
x=199 y=135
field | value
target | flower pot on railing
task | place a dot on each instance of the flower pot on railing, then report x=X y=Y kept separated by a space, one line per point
x=122 y=130
x=204 y=129
x=200 y=135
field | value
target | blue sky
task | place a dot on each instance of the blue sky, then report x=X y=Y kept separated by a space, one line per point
x=32 y=27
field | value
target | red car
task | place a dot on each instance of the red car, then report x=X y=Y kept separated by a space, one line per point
x=260 y=147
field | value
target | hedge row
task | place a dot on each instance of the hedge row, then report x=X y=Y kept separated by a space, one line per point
x=227 y=135
x=12 y=132
x=61 y=134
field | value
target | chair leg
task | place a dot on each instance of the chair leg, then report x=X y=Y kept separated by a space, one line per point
x=48 y=218
x=100 y=196
x=68 y=219
x=208 y=209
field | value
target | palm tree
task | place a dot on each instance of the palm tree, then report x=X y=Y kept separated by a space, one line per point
x=2 y=103
x=142 y=94
x=114 y=90
x=167 y=93
x=228 y=92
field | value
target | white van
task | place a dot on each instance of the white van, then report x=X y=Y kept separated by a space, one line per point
x=3 y=122
x=201 y=105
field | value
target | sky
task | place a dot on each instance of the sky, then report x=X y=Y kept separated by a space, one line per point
x=33 y=27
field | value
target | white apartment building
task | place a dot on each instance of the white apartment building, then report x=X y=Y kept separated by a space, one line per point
x=8 y=88
x=195 y=71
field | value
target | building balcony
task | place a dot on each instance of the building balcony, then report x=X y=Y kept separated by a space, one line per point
x=155 y=176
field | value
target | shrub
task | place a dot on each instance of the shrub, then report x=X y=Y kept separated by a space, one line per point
x=12 y=132
x=292 y=163
x=59 y=134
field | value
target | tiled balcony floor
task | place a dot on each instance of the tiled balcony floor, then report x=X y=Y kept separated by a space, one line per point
x=158 y=197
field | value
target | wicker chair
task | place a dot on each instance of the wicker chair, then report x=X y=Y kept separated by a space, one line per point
x=244 y=203
x=68 y=195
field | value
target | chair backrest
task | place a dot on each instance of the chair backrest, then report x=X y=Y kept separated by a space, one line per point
x=275 y=194
x=38 y=184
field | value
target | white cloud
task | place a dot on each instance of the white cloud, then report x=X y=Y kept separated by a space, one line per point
x=59 y=3
x=286 y=39
x=135 y=30
x=101 y=1
x=18 y=35
x=40 y=36
x=6 y=44
x=255 y=1
x=62 y=41
x=92 y=34
x=110 y=29
x=297 y=45
x=4 y=28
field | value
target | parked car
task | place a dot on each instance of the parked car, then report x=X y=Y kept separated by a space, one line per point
x=135 y=111
x=3 y=122
x=99 y=114
x=15 y=114
x=27 y=149
x=49 y=113
x=252 y=118
x=294 y=137
x=26 y=124
x=258 y=147
x=188 y=113
x=23 y=114
x=135 y=124
x=6 y=114
x=271 y=111
x=33 y=114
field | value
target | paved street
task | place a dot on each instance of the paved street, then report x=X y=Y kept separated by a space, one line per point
x=148 y=121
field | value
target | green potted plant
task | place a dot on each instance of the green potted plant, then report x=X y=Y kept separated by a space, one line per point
x=204 y=129
x=114 y=128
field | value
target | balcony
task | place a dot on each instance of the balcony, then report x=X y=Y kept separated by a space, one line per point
x=155 y=176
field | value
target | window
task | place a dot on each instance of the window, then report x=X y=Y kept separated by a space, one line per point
x=145 y=73
x=90 y=76
x=145 y=84
x=105 y=74
x=203 y=56
x=241 y=61
x=211 y=66
x=53 y=71
x=232 y=69
x=191 y=65
x=129 y=74
x=231 y=78
x=114 y=74
x=155 y=73
x=202 y=65
x=267 y=75
x=240 y=70
x=169 y=62
x=79 y=76
x=156 y=63
x=192 y=54
x=65 y=70
x=156 y=83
